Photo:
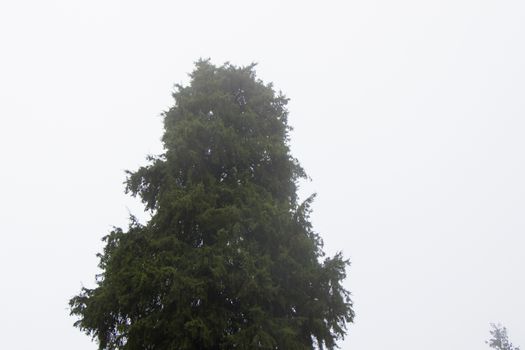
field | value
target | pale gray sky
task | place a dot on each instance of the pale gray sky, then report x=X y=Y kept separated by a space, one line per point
x=408 y=116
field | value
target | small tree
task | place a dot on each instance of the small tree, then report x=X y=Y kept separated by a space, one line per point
x=500 y=339
x=229 y=259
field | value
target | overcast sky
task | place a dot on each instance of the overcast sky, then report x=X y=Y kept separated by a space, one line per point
x=408 y=116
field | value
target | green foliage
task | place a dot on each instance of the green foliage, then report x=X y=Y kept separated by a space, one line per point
x=500 y=339
x=229 y=259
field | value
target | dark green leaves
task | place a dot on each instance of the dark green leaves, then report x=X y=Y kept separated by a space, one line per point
x=229 y=259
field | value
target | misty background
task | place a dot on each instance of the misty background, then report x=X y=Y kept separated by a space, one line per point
x=407 y=115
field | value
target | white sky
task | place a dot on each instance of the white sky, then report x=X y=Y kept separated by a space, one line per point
x=408 y=116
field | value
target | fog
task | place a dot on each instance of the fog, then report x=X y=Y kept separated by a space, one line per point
x=408 y=116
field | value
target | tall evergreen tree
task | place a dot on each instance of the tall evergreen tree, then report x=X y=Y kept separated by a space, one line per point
x=229 y=259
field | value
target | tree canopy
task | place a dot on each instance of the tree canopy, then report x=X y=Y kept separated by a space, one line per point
x=500 y=339
x=229 y=258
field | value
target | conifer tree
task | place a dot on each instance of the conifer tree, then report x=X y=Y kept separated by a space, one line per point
x=229 y=259
x=500 y=339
